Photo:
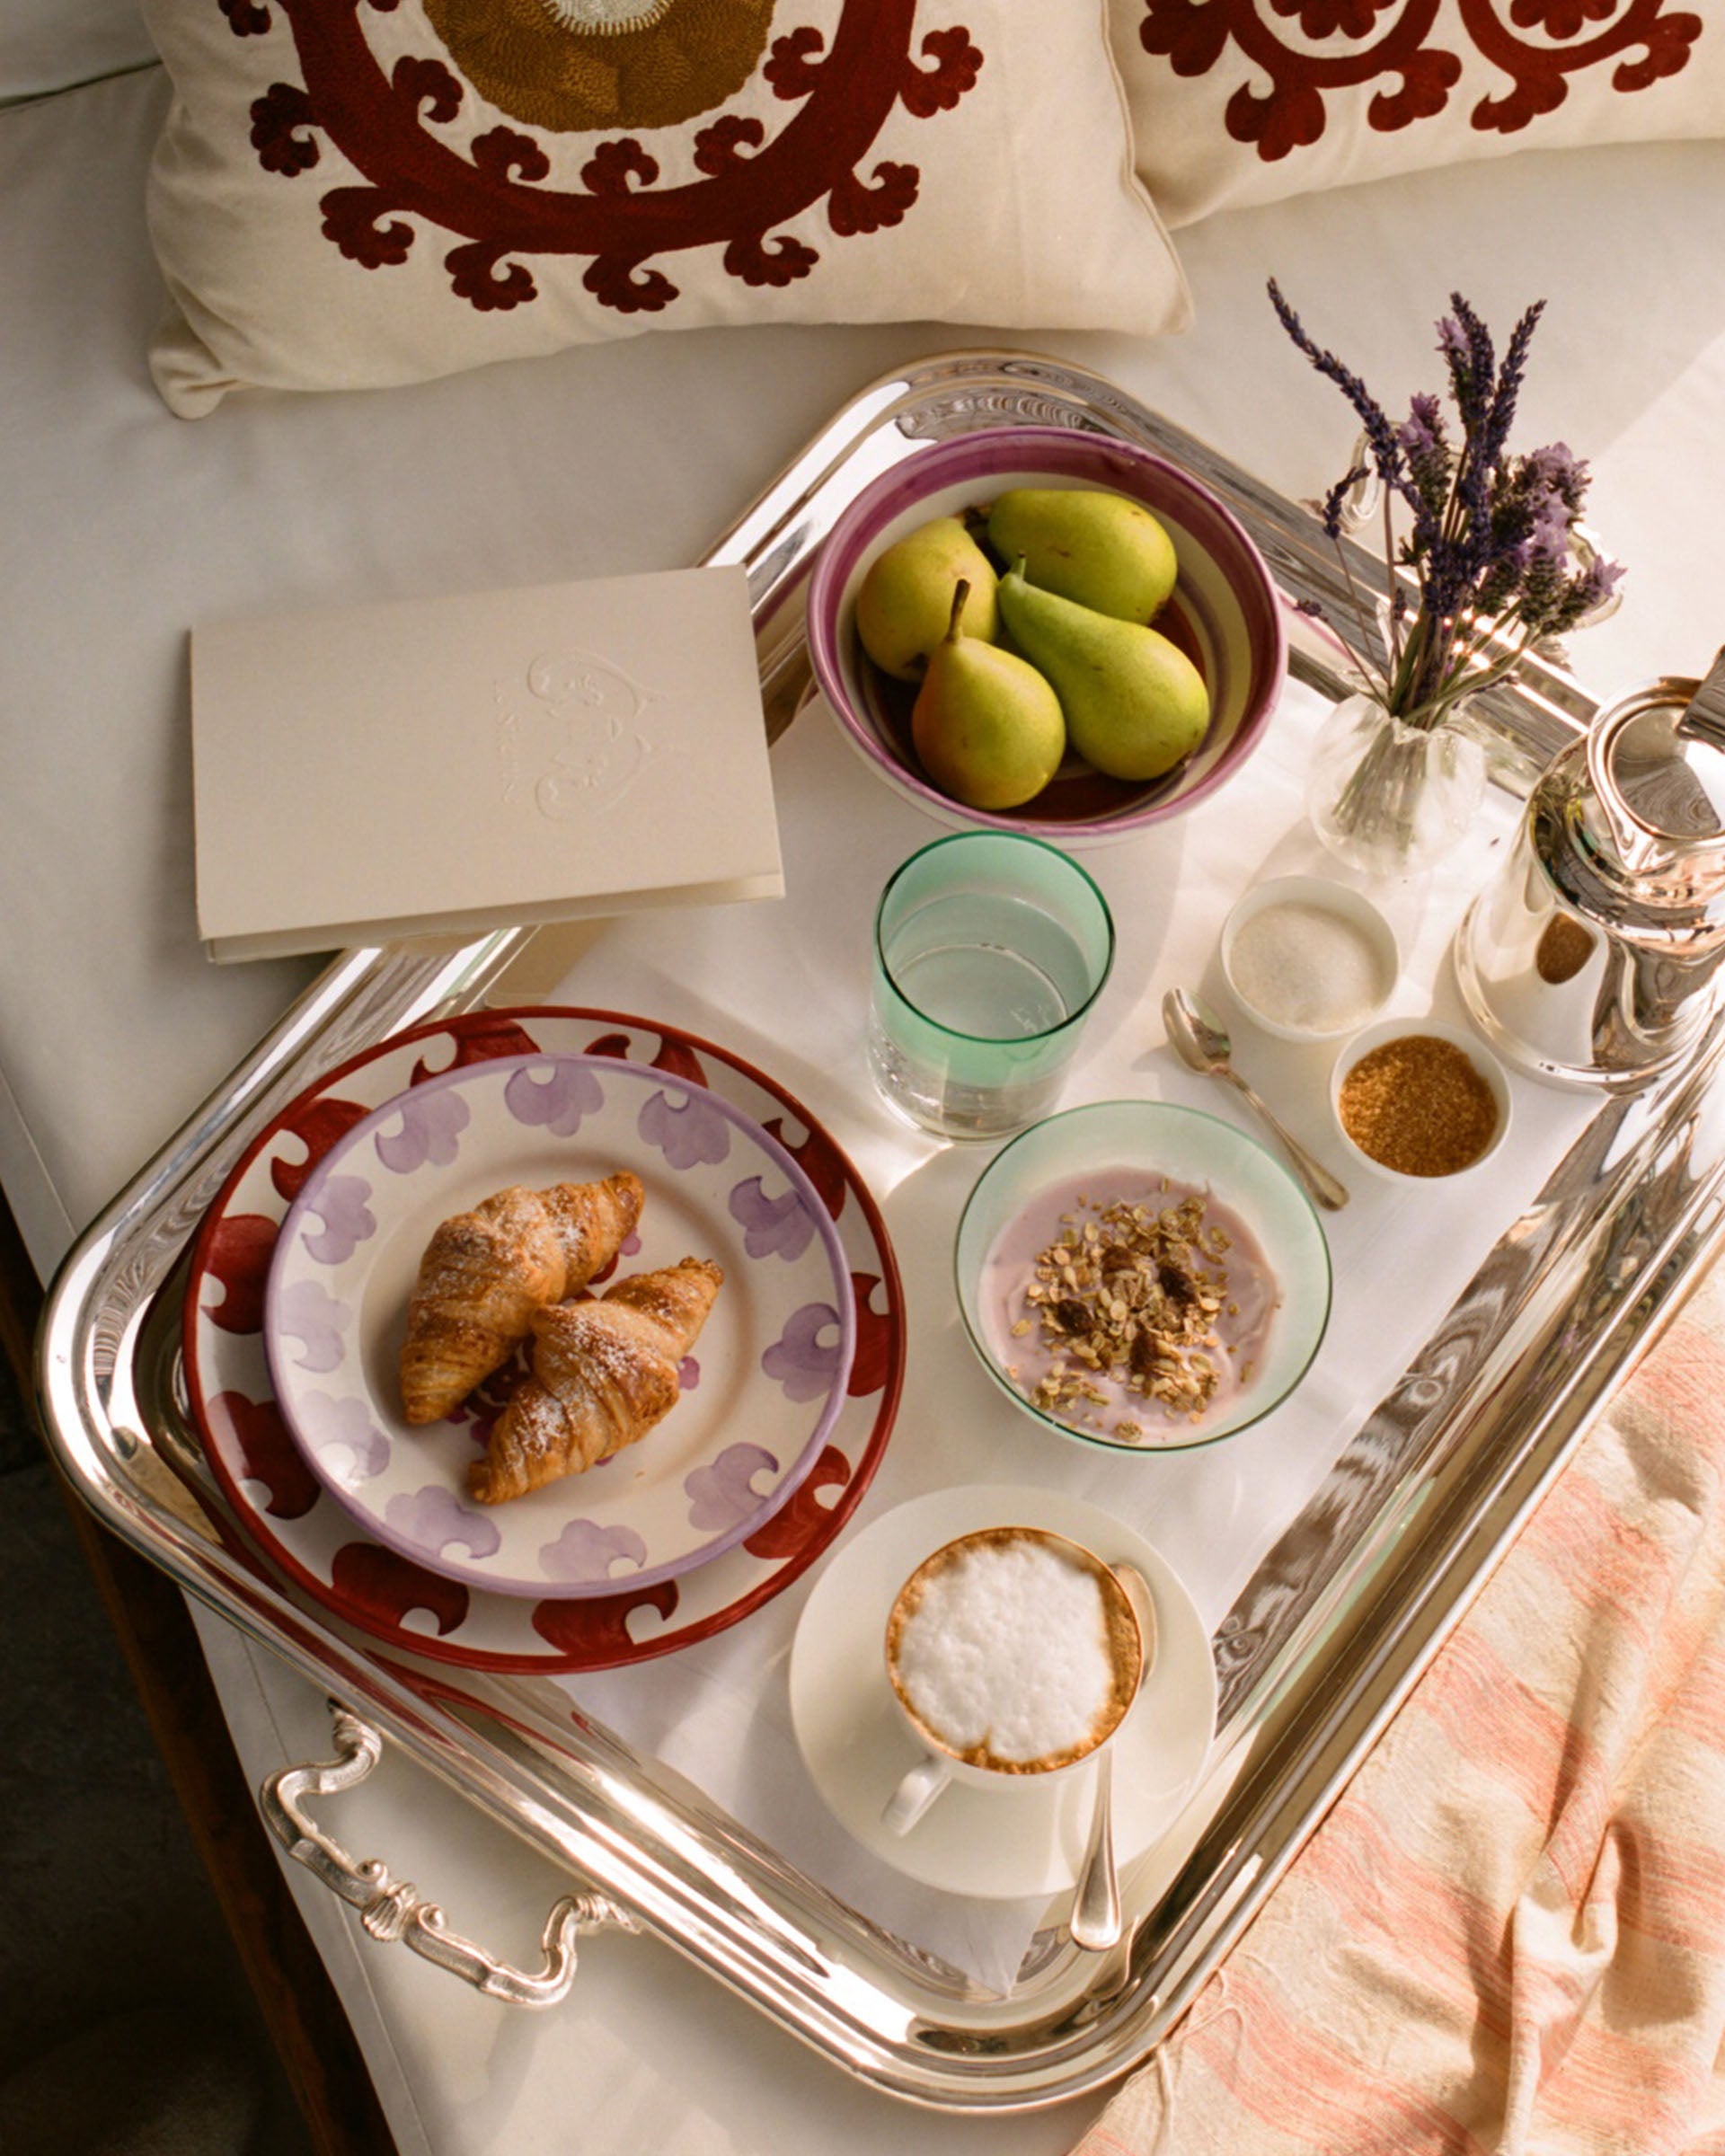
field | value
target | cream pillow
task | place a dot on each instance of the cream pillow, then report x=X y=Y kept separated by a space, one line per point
x=1236 y=102
x=358 y=192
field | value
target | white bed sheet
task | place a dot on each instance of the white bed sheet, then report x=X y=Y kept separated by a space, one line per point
x=122 y=526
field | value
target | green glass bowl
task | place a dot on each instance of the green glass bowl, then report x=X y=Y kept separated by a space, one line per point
x=1078 y=1148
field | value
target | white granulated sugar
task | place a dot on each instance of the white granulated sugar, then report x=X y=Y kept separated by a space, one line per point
x=1008 y=1648
x=1302 y=965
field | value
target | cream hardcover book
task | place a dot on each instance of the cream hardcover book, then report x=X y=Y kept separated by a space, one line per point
x=431 y=766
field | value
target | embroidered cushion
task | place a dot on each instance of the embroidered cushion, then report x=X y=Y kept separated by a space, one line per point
x=1235 y=101
x=355 y=193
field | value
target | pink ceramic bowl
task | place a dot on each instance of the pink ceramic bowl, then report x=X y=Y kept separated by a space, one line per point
x=1224 y=612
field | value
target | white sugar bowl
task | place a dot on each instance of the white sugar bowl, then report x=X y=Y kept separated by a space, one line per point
x=1309 y=960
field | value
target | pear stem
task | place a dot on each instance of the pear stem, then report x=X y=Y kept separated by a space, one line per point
x=961 y=593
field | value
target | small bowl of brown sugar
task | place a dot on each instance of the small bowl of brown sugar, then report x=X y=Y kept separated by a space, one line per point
x=1418 y=1099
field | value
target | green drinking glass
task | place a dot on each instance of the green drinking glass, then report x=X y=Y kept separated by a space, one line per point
x=990 y=950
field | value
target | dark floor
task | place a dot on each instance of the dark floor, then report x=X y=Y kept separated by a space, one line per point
x=126 y=2027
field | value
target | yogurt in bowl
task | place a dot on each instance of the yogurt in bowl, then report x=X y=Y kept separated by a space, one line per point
x=1127 y=1304
x=1142 y=1277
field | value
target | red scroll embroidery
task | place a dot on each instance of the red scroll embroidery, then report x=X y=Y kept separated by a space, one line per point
x=388 y=127
x=1646 y=39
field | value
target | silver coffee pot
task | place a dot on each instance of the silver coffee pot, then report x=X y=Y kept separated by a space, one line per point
x=1594 y=957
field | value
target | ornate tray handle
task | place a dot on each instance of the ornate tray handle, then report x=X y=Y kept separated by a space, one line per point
x=391 y=1909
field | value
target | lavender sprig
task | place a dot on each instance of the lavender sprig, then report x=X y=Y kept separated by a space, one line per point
x=1336 y=500
x=1501 y=414
x=1386 y=451
x=1475 y=378
x=1490 y=537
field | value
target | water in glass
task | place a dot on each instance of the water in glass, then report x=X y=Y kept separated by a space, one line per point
x=984 y=967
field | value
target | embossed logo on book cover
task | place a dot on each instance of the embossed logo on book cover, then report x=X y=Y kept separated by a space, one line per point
x=569 y=739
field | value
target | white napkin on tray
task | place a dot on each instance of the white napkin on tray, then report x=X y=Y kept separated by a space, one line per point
x=787 y=986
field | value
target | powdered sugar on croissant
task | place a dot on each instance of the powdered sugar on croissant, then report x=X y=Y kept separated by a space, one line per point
x=484 y=1273
x=604 y=1372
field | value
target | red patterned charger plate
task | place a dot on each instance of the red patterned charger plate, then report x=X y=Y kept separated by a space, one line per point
x=288 y=1516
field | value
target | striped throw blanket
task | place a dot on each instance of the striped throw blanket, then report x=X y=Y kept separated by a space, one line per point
x=1509 y=1935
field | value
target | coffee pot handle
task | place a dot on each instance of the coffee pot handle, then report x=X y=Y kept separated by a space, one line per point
x=1706 y=713
x=1638 y=847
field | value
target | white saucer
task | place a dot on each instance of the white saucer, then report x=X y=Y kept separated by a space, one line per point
x=1022 y=1839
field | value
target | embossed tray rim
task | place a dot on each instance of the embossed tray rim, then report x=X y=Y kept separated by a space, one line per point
x=1319 y=1650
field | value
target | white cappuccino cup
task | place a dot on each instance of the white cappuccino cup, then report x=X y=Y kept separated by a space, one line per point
x=1011 y=1653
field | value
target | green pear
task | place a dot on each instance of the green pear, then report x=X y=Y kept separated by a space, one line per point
x=1135 y=705
x=986 y=726
x=1099 y=550
x=905 y=599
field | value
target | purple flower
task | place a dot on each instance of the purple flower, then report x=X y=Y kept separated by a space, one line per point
x=1596 y=582
x=1473 y=363
x=558 y=1101
x=1490 y=538
x=724 y=1495
x=1500 y=416
x=780 y=1226
x=1557 y=470
x=346 y=1219
x=1386 y=451
x=1336 y=500
x=585 y=1551
x=804 y=1358
x=433 y=1123
x=307 y=1313
x=1422 y=431
x=434 y=1519
x=686 y=1129
x=1458 y=359
x=342 y=1426
x=1431 y=467
x=1549 y=540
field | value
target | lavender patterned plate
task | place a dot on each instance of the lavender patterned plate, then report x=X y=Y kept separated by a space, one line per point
x=285 y=1523
x=761 y=1384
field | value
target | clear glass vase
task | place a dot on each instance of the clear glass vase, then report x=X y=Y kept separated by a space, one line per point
x=1390 y=798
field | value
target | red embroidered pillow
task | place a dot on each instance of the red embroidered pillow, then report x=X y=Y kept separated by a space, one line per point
x=1235 y=101
x=355 y=193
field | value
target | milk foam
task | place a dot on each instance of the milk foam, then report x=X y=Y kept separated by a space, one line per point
x=1009 y=1653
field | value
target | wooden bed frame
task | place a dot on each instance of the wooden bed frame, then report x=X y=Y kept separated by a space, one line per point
x=298 y=2002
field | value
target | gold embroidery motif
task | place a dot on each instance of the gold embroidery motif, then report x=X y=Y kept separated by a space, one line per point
x=632 y=64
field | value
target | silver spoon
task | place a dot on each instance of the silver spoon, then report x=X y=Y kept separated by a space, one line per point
x=1203 y=1047
x=1096 y=1922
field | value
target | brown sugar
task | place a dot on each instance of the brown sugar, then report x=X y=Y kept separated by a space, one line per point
x=1420 y=1105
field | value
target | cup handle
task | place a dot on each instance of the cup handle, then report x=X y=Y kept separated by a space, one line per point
x=918 y=1790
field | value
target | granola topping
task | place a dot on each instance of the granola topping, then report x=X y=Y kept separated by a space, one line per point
x=1134 y=1308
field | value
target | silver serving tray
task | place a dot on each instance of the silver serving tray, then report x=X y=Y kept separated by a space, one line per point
x=1314 y=1656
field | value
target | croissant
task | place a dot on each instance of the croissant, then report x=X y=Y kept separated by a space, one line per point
x=604 y=1372
x=484 y=1273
